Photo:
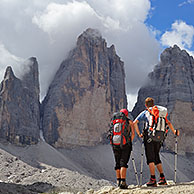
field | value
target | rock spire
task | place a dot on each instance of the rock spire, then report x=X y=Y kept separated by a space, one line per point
x=19 y=106
x=88 y=87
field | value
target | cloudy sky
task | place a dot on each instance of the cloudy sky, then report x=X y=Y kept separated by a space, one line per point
x=48 y=29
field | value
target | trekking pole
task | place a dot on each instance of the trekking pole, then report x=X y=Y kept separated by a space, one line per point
x=134 y=166
x=141 y=171
x=175 y=158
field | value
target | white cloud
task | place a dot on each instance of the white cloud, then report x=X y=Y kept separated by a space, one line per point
x=186 y=2
x=127 y=12
x=8 y=59
x=57 y=17
x=48 y=30
x=131 y=100
x=181 y=34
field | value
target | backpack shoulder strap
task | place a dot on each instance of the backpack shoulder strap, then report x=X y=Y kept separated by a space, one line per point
x=151 y=120
x=149 y=110
x=166 y=119
x=129 y=126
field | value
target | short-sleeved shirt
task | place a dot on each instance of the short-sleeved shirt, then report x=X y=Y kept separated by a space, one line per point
x=143 y=116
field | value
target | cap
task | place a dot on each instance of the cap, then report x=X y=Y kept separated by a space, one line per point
x=125 y=111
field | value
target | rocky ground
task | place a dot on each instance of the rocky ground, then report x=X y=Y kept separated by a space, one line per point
x=171 y=188
x=42 y=169
x=22 y=173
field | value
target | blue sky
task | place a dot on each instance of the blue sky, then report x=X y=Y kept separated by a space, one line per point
x=165 y=12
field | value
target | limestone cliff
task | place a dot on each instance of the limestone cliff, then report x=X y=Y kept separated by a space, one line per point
x=87 y=88
x=171 y=84
x=19 y=106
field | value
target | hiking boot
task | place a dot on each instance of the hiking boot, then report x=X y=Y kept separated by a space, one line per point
x=162 y=181
x=123 y=185
x=151 y=183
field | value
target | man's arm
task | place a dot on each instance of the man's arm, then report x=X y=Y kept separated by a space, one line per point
x=176 y=132
x=135 y=123
x=139 y=118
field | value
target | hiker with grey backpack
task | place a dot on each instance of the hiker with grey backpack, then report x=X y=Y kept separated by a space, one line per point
x=121 y=135
x=154 y=133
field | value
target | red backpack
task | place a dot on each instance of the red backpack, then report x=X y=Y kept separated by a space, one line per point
x=119 y=129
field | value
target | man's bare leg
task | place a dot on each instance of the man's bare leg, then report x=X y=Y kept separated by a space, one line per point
x=162 y=180
x=118 y=175
x=123 y=172
x=123 y=178
x=159 y=167
x=152 y=168
x=152 y=181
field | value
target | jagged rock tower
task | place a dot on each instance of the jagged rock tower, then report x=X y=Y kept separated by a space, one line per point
x=19 y=106
x=87 y=88
x=171 y=84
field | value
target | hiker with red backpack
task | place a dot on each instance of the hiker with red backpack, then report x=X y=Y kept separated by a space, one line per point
x=154 y=133
x=121 y=136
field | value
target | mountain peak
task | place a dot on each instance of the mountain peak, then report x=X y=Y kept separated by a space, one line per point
x=174 y=55
x=31 y=77
x=176 y=47
x=90 y=35
x=33 y=59
x=9 y=73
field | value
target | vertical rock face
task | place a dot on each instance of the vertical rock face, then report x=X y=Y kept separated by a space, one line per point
x=171 y=84
x=19 y=106
x=86 y=89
